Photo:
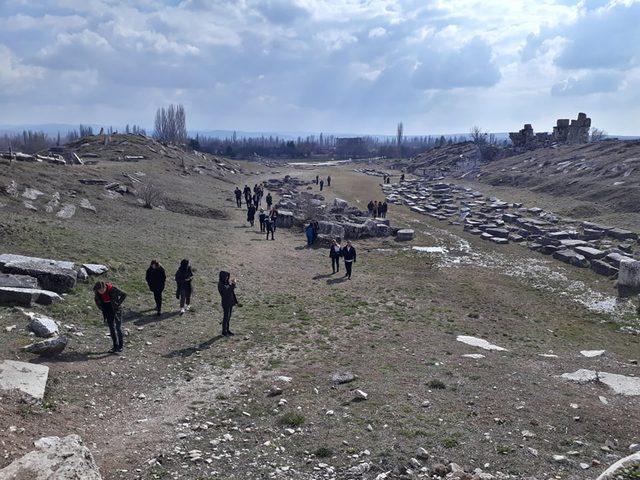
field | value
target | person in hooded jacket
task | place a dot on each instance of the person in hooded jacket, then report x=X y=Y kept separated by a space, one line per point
x=156 y=278
x=226 y=288
x=251 y=214
x=109 y=298
x=183 y=277
x=238 y=194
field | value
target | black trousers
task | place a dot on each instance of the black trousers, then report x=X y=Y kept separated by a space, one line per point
x=239 y=201
x=270 y=231
x=112 y=317
x=185 y=295
x=335 y=264
x=261 y=225
x=348 y=266
x=157 y=296
x=226 y=318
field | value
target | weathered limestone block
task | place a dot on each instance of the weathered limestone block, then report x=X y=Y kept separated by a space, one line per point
x=285 y=219
x=29 y=378
x=405 y=234
x=49 y=347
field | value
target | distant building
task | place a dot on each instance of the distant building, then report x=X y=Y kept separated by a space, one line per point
x=565 y=131
x=351 y=147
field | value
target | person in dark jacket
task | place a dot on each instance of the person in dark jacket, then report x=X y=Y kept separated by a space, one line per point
x=269 y=200
x=370 y=207
x=270 y=227
x=156 y=278
x=247 y=194
x=328 y=180
x=273 y=214
x=261 y=218
x=109 y=299
x=317 y=179
x=321 y=184
x=385 y=206
x=316 y=230
x=308 y=230
x=349 y=255
x=184 y=290
x=238 y=193
x=226 y=288
x=251 y=214
x=335 y=252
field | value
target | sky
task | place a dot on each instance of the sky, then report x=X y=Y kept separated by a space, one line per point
x=439 y=66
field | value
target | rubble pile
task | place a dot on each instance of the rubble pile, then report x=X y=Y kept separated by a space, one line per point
x=338 y=220
x=565 y=131
x=605 y=249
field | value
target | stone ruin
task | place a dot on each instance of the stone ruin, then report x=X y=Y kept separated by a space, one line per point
x=565 y=131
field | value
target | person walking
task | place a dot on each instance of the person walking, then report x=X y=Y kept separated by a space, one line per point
x=270 y=227
x=383 y=210
x=184 y=288
x=317 y=178
x=269 y=200
x=156 y=278
x=370 y=207
x=261 y=218
x=349 y=255
x=328 y=180
x=335 y=252
x=321 y=184
x=374 y=212
x=251 y=214
x=238 y=193
x=226 y=288
x=316 y=229
x=247 y=194
x=109 y=298
x=274 y=217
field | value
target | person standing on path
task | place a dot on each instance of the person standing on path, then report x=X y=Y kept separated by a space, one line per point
x=370 y=207
x=309 y=233
x=321 y=184
x=317 y=178
x=238 y=193
x=269 y=226
x=261 y=218
x=226 y=288
x=328 y=180
x=274 y=217
x=349 y=255
x=247 y=194
x=184 y=288
x=383 y=209
x=269 y=200
x=156 y=278
x=251 y=214
x=335 y=252
x=109 y=299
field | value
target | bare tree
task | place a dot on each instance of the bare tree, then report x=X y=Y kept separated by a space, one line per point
x=171 y=124
x=597 y=135
x=478 y=136
x=399 y=134
x=151 y=195
x=86 y=130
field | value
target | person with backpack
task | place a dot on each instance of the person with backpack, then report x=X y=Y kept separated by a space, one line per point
x=349 y=255
x=238 y=193
x=109 y=298
x=247 y=194
x=251 y=214
x=226 y=288
x=156 y=278
x=335 y=252
x=184 y=289
x=269 y=200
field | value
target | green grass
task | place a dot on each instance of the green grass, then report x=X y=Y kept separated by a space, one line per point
x=291 y=419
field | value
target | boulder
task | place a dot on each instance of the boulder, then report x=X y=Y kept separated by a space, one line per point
x=18 y=281
x=590 y=252
x=29 y=378
x=285 y=219
x=55 y=458
x=353 y=231
x=42 y=325
x=331 y=229
x=67 y=211
x=629 y=276
x=603 y=268
x=616 y=258
x=26 y=297
x=95 y=268
x=405 y=234
x=626 y=463
x=343 y=377
x=621 y=234
x=571 y=257
x=49 y=347
x=50 y=275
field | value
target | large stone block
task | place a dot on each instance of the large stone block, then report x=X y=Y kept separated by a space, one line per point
x=28 y=378
x=285 y=219
x=405 y=234
x=629 y=275
x=54 y=459
x=26 y=297
x=41 y=325
x=353 y=231
x=50 y=276
x=49 y=347
x=603 y=268
x=571 y=257
x=18 y=281
x=331 y=229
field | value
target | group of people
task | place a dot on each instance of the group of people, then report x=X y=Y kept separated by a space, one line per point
x=348 y=252
x=252 y=199
x=110 y=298
x=377 y=209
x=320 y=182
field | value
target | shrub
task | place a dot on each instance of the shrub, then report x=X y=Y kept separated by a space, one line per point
x=291 y=419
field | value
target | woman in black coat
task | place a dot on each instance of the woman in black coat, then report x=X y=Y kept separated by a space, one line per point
x=335 y=252
x=156 y=278
x=226 y=288
x=183 y=277
x=349 y=255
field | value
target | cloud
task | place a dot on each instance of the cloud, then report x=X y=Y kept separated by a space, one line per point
x=469 y=66
x=597 y=82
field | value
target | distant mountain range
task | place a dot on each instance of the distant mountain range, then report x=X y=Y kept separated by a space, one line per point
x=52 y=129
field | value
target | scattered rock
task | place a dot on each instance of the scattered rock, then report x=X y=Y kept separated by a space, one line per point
x=95 y=268
x=86 y=204
x=341 y=378
x=42 y=325
x=67 y=211
x=48 y=348
x=479 y=342
x=31 y=193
